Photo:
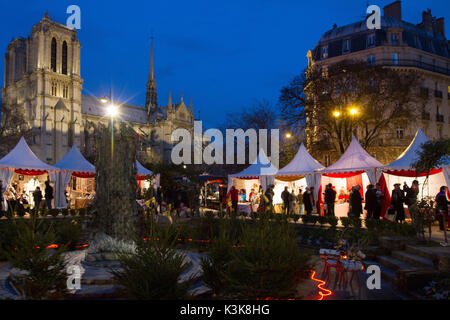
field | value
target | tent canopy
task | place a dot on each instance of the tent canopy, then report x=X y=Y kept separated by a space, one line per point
x=302 y=164
x=23 y=158
x=404 y=163
x=260 y=167
x=142 y=171
x=355 y=159
x=75 y=162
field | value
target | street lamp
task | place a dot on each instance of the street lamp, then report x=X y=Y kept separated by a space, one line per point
x=354 y=111
x=288 y=135
x=336 y=114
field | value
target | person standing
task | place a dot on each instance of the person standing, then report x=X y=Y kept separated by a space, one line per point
x=442 y=204
x=371 y=201
x=234 y=194
x=300 y=201
x=411 y=200
x=313 y=200
x=48 y=195
x=285 y=197
x=380 y=197
x=292 y=203
x=269 y=195
x=397 y=201
x=37 y=197
x=330 y=199
x=307 y=201
x=2 y=199
x=355 y=202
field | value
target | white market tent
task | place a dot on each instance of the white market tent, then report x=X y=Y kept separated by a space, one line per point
x=260 y=172
x=354 y=165
x=301 y=169
x=73 y=164
x=22 y=160
x=401 y=170
x=143 y=173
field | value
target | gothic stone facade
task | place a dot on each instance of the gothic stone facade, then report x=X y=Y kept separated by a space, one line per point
x=403 y=46
x=43 y=79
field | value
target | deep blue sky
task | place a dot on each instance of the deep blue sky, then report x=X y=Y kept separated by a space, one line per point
x=223 y=54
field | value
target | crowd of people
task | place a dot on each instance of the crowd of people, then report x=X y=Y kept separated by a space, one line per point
x=17 y=197
x=371 y=201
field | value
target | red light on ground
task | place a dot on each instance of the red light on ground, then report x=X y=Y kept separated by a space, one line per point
x=323 y=292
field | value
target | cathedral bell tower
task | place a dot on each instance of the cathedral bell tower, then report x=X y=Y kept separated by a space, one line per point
x=151 y=101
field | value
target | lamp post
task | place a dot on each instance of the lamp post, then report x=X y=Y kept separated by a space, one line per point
x=112 y=111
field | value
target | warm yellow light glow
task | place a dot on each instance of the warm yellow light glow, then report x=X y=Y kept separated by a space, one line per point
x=354 y=111
x=336 y=114
x=112 y=110
x=104 y=100
x=288 y=135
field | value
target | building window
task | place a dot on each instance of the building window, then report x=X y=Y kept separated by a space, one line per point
x=346 y=45
x=371 y=60
x=53 y=55
x=395 y=59
x=64 y=58
x=371 y=40
x=400 y=133
x=394 y=39
x=325 y=52
x=325 y=72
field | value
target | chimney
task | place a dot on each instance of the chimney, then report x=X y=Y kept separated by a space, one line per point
x=439 y=26
x=427 y=20
x=394 y=10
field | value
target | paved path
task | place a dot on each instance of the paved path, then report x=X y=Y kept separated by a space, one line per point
x=6 y=292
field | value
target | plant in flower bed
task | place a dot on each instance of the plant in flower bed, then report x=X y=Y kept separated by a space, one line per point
x=267 y=262
x=43 y=271
x=438 y=289
x=345 y=222
x=153 y=271
x=68 y=232
x=218 y=259
x=322 y=220
x=333 y=221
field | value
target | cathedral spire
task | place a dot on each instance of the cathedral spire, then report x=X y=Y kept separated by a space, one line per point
x=191 y=108
x=170 y=100
x=151 y=102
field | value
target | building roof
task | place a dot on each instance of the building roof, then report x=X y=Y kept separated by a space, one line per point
x=413 y=35
x=93 y=106
x=302 y=164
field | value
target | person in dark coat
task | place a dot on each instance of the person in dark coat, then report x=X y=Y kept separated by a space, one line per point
x=397 y=201
x=269 y=194
x=307 y=201
x=442 y=204
x=37 y=197
x=356 y=202
x=285 y=196
x=48 y=195
x=330 y=199
x=380 y=197
x=371 y=201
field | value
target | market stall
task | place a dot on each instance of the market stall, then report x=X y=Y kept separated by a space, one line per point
x=143 y=175
x=401 y=170
x=76 y=178
x=260 y=173
x=355 y=167
x=21 y=172
x=298 y=174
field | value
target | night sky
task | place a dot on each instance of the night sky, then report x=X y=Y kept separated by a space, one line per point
x=223 y=54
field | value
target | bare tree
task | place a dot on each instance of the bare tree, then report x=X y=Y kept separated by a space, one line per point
x=320 y=100
x=13 y=126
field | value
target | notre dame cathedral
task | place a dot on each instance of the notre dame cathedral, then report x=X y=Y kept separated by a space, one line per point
x=43 y=78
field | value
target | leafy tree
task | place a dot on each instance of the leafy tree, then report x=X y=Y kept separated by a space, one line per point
x=319 y=100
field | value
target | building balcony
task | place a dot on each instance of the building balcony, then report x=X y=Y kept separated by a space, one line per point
x=414 y=64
